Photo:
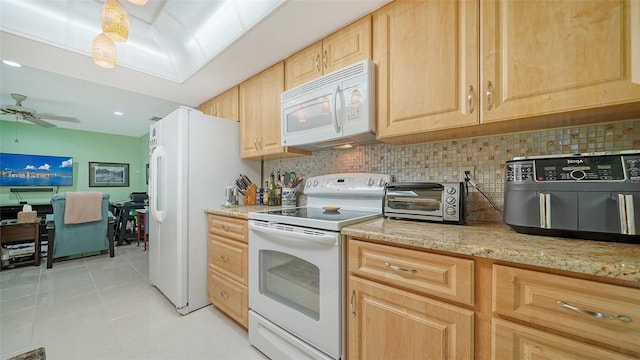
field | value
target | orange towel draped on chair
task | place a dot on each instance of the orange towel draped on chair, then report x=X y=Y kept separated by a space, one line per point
x=82 y=207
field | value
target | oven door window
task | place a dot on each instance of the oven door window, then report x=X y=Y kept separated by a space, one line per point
x=416 y=200
x=291 y=281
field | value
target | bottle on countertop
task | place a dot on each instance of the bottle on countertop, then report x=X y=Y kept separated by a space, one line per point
x=272 y=190
x=265 y=193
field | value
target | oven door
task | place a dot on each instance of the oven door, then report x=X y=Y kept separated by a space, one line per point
x=295 y=282
x=424 y=202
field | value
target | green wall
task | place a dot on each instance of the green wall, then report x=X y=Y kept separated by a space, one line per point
x=84 y=147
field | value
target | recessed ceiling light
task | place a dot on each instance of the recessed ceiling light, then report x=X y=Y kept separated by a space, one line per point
x=11 y=63
x=119 y=113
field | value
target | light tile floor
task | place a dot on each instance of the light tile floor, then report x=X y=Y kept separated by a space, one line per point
x=105 y=308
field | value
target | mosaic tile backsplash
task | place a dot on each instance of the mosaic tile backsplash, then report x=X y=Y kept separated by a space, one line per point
x=440 y=161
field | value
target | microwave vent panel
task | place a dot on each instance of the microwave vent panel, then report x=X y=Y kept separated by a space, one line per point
x=331 y=78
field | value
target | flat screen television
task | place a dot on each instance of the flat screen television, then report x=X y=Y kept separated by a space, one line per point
x=35 y=170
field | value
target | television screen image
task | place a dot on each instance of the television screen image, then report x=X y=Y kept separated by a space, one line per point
x=35 y=170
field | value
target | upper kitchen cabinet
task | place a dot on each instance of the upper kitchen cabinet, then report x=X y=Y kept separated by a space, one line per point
x=224 y=105
x=549 y=57
x=427 y=60
x=260 y=118
x=342 y=48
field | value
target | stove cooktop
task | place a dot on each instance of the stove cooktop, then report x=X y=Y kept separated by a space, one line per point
x=315 y=217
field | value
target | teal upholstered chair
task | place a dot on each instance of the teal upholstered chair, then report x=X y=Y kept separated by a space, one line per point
x=78 y=239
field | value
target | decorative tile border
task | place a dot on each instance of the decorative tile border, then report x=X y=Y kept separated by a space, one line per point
x=439 y=161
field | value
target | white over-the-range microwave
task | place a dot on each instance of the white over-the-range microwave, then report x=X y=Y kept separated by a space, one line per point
x=333 y=111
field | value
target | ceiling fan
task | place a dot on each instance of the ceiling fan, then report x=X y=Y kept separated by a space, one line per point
x=31 y=115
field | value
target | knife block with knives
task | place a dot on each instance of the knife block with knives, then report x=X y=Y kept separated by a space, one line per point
x=250 y=194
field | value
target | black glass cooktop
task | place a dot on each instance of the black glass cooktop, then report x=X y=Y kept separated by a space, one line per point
x=319 y=214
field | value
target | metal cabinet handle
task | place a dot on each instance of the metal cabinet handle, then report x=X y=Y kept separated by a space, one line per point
x=224 y=258
x=224 y=296
x=545 y=211
x=255 y=143
x=395 y=268
x=470 y=99
x=260 y=141
x=224 y=227
x=324 y=59
x=594 y=314
x=489 y=94
x=318 y=62
x=627 y=214
x=352 y=303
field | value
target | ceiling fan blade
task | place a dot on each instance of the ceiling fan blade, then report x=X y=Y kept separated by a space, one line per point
x=39 y=121
x=56 y=117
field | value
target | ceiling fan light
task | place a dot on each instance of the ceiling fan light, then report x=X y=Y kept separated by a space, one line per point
x=104 y=52
x=115 y=21
x=138 y=2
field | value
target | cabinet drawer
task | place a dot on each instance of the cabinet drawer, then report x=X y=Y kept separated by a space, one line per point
x=533 y=297
x=513 y=341
x=229 y=296
x=231 y=228
x=439 y=275
x=229 y=258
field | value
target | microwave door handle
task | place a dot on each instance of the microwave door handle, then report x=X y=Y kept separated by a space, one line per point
x=334 y=113
x=627 y=214
x=545 y=211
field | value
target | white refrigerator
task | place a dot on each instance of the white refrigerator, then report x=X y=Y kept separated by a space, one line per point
x=193 y=157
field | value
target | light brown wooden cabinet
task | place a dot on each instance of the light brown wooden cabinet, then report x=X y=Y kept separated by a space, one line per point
x=453 y=65
x=342 y=48
x=227 y=255
x=389 y=317
x=545 y=300
x=224 y=105
x=260 y=117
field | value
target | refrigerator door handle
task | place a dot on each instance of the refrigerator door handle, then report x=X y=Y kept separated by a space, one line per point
x=156 y=198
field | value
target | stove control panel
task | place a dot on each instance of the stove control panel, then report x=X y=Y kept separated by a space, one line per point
x=347 y=183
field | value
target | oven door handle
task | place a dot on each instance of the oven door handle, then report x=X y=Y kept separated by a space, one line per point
x=329 y=239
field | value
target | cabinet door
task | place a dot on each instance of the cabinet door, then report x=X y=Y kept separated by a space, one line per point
x=388 y=323
x=303 y=66
x=229 y=296
x=427 y=58
x=227 y=104
x=208 y=107
x=512 y=341
x=272 y=88
x=347 y=46
x=554 y=56
x=229 y=258
x=250 y=116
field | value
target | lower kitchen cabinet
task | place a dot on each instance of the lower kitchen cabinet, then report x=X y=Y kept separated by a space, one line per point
x=574 y=308
x=389 y=316
x=513 y=341
x=388 y=323
x=227 y=256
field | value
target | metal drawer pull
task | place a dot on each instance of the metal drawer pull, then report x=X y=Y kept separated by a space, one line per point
x=224 y=258
x=594 y=314
x=470 y=99
x=351 y=304
x=224 y=227
x=224 y=296
x=318 y=62
x=489 y=93
x=627 y=214
x=395 y=268
x=545 y=211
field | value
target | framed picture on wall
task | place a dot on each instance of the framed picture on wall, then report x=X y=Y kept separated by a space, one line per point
x=108 y=174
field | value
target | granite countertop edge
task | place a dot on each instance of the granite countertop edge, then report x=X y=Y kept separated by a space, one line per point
x=494 y=241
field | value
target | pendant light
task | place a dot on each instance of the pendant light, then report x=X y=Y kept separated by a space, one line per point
x=138 y=2
x=104 y=52
x=115 y=21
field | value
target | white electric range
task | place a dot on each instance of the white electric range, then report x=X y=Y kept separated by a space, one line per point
x=297 y=266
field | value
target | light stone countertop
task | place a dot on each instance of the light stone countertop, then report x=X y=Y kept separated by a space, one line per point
x=498 y=241
x=493 y=241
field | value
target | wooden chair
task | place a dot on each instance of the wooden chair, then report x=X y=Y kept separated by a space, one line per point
x=141 y=218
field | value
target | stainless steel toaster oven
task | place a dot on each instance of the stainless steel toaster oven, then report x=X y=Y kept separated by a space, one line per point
x=438 y=202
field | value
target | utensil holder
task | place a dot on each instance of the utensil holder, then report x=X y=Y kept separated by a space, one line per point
x=250 y=195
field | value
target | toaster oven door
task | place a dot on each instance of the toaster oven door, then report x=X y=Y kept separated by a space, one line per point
x=427 y=202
